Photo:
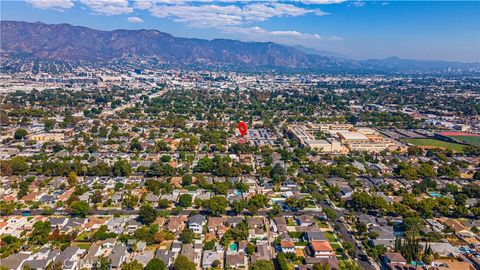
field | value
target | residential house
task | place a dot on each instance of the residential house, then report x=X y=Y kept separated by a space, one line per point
x=261 y=253
x=176 y=247
x=305 y=220
x=166 y=256
x=41 y=259
x=384 y=237
x=214 y=223
x=394 y=258
x=196 y=223
x=143 y=256
x=209 y=256
x=310 y=261
x=287 y=246
x=118 y=256
x=15 y=261
x=255 y=222
x=189 y=252
x=314 y=236
x=233 y=221
x=69 y=258
x=321 y=249
x=258 y=235
x=116 y=225
x=236 y=260
x=176 y=224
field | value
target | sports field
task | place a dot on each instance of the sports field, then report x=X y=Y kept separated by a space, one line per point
x=473 y=140
x=433 y=143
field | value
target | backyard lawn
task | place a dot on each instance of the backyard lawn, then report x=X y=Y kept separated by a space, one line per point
x=330 y=236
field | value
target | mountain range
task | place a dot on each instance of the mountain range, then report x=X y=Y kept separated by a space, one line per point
x=65 y=42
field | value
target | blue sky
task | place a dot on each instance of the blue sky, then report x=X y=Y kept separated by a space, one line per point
x=444 y=30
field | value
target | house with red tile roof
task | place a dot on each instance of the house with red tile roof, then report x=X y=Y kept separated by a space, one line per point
x=321 y=249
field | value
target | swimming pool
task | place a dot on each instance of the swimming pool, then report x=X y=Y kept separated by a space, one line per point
x=233 y=247
x=435 y=194
x=278 y=200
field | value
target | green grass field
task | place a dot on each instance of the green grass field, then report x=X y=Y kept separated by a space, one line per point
x=473 y=140
x=330 y=237
x=435 y=143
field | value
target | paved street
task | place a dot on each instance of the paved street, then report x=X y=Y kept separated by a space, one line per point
x=359 y=253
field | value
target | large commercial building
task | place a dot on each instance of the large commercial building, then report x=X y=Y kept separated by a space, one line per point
x=364 y=139
x=341 y=138
x=46 y=137
x=306 y=136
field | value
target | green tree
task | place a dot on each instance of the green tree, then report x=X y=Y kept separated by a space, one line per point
x=79 y=208
x=262 y=265
x=330 y=213
x=323 y=266
x=165 y=158
x=130 y=201
x=135 y=145
x=204 y=164
x=296 y=203
x=102 y=233
x=121 y=168
x=237 y=206
x=185 y=200
x=216 y=263
x=426 y=170
x=187 y=236
x=163 y=203
x=40 y=233
x=103 y=263
x=20 y=134
x=6 y=208
x=250 y=248
x=19 y=165
x=209 y=245
x=147 y=214
x=476 y=175
x=183 y=263
x=278 y=173
x=49 y=124
x=410 y=247
x=134 y=265
x=257 y=202
x=282 y=261
x=155 y=264
x=72 y=179
x=217 y=205
x=187 y=180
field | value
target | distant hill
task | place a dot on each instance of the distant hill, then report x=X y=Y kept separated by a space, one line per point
x=319 y=52
x=65 y=42
x=411 y=64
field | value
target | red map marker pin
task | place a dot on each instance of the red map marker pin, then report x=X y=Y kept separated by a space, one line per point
x=242 y=127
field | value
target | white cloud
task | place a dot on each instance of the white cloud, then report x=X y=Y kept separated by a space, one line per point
x=237 y=19
x=51 y=4
x=148 y=3
x=321 y=2
x=358 y=3
x=218 y=16
x=261 y=34
x=108 y=7
x=135 y=20
x=200 y=16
